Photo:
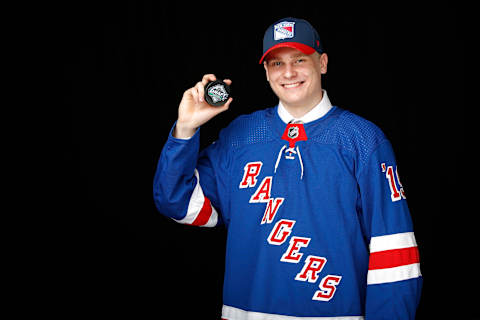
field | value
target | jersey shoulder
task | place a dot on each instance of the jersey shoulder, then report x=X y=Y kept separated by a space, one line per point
x=249 y=129
x=353 y=133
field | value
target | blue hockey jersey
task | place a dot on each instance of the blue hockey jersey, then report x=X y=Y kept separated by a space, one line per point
x=318 y=225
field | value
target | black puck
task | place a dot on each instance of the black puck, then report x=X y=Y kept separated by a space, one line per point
x=217 y=93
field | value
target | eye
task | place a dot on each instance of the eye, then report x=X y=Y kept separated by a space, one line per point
x=300 y=60
x=275 y=63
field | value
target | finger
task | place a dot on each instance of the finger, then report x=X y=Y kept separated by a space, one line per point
x=194 y=94
x=228 y=81
x=200 y=91
x=227 y=104
x=207 y=78
x=220 y=109
x=224 y=107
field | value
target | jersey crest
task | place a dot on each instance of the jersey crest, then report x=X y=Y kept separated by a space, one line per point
x=294 y=132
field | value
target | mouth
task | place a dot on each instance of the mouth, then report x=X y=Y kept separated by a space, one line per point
x=292 y=84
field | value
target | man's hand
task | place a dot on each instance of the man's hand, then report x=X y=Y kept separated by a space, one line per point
x=194 y=111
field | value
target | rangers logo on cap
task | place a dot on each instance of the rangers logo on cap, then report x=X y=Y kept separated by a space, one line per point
x=284 y=30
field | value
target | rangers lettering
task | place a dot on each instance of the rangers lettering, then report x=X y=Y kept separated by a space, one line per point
x=312 y=267
x=292 y=254
x=263 y=192
x=283 y=228
x=280 y=232
x=251 y=171
x=271 y=210
x=327 y=286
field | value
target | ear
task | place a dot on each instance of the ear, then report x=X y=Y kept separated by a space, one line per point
x=266 y=70
x=323 y=63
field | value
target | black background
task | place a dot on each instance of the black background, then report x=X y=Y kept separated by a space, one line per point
x=126 y=66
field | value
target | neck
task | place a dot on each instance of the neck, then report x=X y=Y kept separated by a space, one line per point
x=298 y=110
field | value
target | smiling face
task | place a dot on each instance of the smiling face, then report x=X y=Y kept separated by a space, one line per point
x=296 y=78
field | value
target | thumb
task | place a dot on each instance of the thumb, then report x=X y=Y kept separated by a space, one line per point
x=225 y=106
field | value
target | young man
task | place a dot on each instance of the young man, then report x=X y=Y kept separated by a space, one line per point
x=318 y=225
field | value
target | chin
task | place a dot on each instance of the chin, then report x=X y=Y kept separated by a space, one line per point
x=293 y=101
x=291 y=97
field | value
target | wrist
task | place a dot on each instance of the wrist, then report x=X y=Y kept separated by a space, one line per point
x=182 y=131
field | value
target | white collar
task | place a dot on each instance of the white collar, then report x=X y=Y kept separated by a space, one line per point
x=317 y=112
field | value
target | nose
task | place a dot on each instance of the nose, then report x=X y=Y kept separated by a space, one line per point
x=290 y=71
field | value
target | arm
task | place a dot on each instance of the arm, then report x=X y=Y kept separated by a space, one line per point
x=394 y=279
x=184 y=183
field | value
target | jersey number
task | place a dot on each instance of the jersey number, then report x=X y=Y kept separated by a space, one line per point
x=396 y=192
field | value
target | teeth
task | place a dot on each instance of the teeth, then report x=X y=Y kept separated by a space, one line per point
x=292 y=85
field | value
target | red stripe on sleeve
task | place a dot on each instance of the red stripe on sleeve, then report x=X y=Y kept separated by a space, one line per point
x=204 y=214
x=393 y=258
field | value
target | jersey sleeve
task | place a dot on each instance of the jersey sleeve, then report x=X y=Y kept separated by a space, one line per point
x=186 y=182
x=394 y=279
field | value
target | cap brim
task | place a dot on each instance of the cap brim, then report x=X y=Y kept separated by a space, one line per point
x=295 y=45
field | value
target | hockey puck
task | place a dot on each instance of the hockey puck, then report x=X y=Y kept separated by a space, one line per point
x=217 y=93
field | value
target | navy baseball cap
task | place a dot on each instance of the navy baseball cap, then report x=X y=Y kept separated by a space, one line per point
x=294 y=33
